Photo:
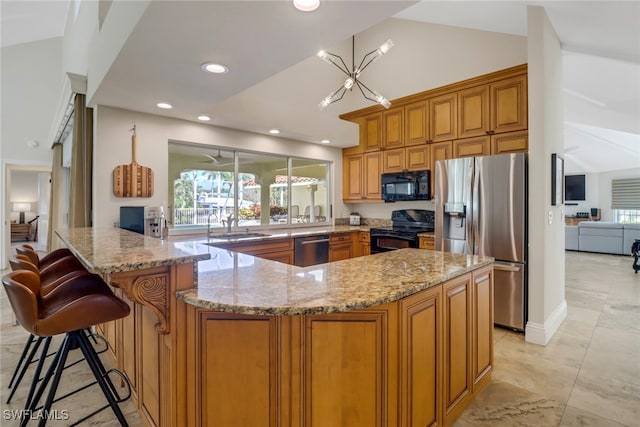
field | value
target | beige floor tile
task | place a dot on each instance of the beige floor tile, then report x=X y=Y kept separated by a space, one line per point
x=573 y=417
x=608 y=398
x=503 y=404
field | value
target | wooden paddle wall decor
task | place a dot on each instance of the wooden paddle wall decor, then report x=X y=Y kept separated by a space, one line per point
x=133 y=180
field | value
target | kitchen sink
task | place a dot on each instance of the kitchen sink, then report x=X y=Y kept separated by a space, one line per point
x=237 y=235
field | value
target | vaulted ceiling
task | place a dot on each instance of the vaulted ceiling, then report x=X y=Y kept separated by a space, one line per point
x=276 y=81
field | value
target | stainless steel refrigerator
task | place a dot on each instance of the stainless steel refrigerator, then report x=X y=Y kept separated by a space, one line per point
x=481 y=208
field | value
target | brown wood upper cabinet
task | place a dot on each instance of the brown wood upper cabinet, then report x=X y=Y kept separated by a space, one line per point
x=416 y=116
x=509 y=104
x=361 y=176
x=371 y=132
x=392 y=128
x=443 y=117
x=493 y=108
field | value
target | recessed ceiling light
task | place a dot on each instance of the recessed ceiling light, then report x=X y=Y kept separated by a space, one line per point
x=274 y=131
x=164 y=105
x=210 y=67
x=204 y=118
x=306 y=5
x=325 y=141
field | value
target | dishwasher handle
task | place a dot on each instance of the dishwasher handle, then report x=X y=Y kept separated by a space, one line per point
x=311 y=242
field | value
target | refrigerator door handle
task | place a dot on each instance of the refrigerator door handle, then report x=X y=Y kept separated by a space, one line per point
x=478 y=243
x=502 y=267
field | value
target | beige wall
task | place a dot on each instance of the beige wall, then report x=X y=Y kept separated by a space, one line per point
x=113 y=147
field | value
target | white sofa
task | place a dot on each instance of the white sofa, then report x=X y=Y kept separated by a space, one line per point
x=601 y=236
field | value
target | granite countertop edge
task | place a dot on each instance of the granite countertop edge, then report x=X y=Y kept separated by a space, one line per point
x=190 y=297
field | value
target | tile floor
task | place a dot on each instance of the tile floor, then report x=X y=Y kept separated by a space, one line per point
x=588 y=374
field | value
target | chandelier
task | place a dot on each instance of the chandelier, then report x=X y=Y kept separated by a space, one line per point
x=353 y=75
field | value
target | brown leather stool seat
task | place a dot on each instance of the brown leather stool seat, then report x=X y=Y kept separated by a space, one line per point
x=87 y=301
x=55 y=274
x=47 y=259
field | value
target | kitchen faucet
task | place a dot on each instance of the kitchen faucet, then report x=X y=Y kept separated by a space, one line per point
x=230 y=220
x=214 y=216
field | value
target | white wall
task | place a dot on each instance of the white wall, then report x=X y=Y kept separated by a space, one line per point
x=31 y=79
x=547 y=306
x=112 y=147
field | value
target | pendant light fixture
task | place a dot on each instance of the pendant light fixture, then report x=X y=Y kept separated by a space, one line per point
x=353 y=75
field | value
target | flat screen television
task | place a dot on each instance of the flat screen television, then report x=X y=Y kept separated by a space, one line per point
x=574 y=187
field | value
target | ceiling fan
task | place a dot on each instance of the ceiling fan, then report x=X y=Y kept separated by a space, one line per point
x=219 y=159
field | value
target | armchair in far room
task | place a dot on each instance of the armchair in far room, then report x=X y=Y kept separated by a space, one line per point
x=307 y=213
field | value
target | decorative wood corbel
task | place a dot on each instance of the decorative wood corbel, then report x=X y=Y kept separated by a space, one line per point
x=150 y=291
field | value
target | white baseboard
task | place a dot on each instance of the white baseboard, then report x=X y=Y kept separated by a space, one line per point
x=540 y=334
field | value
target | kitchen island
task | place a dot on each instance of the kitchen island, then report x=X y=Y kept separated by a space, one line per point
x=217 y=337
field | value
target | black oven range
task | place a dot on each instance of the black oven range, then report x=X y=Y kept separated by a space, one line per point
x=407 y=224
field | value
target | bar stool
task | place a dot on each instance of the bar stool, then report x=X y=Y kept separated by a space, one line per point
x=54 y=276
x=46 y=260
x=87 y=303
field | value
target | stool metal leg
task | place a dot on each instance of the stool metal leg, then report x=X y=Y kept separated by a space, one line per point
x=101 y=376
x=72 y=340
x=25 y=366
x=23 y=355
x=59 y=367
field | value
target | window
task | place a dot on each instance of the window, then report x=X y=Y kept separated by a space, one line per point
x=627 y=216
x=625 y=200
x=215 y=187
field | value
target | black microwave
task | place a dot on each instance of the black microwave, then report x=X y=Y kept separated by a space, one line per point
x=404 y=186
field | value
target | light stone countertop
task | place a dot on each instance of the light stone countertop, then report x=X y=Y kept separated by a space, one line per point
x=228 y=281
x=239 y=283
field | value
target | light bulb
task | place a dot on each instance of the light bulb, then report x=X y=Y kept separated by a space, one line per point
x=385 y=47
x=348 y=84
x=306 y=5
x=385 y=102
x=323 y=104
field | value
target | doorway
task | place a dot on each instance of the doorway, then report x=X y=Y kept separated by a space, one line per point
x=26 y=207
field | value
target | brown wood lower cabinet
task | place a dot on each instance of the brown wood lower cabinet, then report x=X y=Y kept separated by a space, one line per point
x=414 y=362
x=426 y=242
x=273 y=249
x=342 y=246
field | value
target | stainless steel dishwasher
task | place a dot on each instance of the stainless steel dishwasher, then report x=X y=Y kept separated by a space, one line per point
x=311 y=250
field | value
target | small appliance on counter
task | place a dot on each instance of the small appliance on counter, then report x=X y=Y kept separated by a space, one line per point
x=147 y=220
x=354 y=218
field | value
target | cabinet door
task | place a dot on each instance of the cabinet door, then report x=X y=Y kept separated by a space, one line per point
x=417 y=157
x=426 y=242
x=364 y=238
x=510 y=142
x=372 y=171
x=482 y=350
x=371 y=132
x=443 y=114
x=509 y=105
x=469 y=147
x=473 y=112
x=353 y=171
x=393 y=160
x=457 y=346
x=421 y=361
x=416 y=118
x=339 y=252
x=438 y=151
x=392 y=128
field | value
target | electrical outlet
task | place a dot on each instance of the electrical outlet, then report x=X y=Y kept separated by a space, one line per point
x=550 y=217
